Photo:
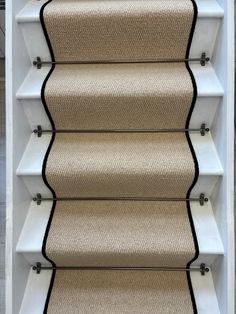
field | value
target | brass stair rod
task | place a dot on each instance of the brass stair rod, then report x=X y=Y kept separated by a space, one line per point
x=203 y=59
x=201 y=199
x=203 y=130
x=38 y=267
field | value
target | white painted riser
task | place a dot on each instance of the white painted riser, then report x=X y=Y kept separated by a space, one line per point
x=204 y=111
x=35 y=184
x=208 y=23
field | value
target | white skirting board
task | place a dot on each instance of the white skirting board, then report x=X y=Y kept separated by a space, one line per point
x=213 y=222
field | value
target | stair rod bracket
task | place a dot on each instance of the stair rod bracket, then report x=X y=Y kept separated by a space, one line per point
x=203 y=60
x=37 y=267
x=38 y=63
x=203 y=269
x=203 y=130
x=202 y=199
x=38 y=199
x=38 y=131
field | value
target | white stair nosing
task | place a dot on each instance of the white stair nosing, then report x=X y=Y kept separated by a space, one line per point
x=30 y=13
x=32 y=159
x=32 y=85
x=208 y=236
x=206 y=80
x=209 y=8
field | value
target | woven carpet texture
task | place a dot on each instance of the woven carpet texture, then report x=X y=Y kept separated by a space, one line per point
x=112 y=164
x=123 y=233
x=119 y=96
x=100 y=95
x=119 y=292
x=118 y=29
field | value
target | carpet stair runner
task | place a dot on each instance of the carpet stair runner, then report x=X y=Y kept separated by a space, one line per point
x=105 y=95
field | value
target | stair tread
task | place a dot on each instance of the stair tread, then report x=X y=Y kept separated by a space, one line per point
x=30 y=12
x=204 y=39
x=206 y=80
x=120 y=233
x=119 y=96
x=208 y=236
x=32 y=159
x=120 y=164
x=37 y=288
x=127 y=291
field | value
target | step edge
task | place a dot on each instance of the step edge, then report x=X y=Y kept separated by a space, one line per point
x=214 y=11
x=22 y=171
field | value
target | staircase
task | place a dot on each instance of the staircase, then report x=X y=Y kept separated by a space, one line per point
x=208 y=109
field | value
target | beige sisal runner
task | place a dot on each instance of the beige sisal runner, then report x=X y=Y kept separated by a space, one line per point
x=128 y=96
x=120 y=233
x=119 y=96
x=116 y=165
x=118 y=29
x=119 y=292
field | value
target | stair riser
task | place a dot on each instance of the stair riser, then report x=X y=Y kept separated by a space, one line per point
x=34 y=257
x=210 y=245
x=204 y=38
x=36 y=185
x=204 y=111
x=37 y=288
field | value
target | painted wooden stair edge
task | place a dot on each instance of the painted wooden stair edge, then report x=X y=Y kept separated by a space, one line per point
x=30 y=12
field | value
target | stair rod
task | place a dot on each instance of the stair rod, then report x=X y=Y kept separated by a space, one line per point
x=38 y=267
x=203 y=130
x=39 y=199
x=203 y=59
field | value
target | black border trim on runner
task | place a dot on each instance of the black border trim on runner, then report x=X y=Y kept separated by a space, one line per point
x=46 y=158
x=193 y=155
x=186 y=133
